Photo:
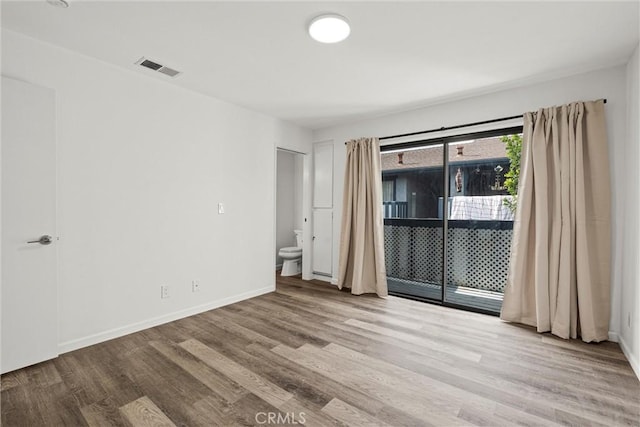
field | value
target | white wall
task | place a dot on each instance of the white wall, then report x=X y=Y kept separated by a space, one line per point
x=630 y=294
x=608 y=83
x=142 y=166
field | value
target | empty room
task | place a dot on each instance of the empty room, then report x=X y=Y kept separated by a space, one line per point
x=350 y=213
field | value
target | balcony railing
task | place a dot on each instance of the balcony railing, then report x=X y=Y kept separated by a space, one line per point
x=477 y=252
x=395 y=209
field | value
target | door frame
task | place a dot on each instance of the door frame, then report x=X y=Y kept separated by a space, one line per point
x=446 y=141
x=306 y=208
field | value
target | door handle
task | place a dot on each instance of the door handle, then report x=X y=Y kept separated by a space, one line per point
x=43 y=240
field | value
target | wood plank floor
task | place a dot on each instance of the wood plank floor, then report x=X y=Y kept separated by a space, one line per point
x=310 y=354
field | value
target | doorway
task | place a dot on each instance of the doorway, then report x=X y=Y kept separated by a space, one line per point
x=289 y=199
x=448 y=223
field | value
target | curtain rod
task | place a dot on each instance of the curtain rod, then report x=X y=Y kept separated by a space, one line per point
x=443 y=128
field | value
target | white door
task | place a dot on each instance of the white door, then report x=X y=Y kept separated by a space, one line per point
x=322 y=238
x=29 y=285
x=323 y=175
x=322 y=263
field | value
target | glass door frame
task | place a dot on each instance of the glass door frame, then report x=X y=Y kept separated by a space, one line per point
x=446 y=141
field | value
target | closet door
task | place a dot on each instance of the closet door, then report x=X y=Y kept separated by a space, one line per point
x=323 y=175
x=322 y=250
x=323 y=209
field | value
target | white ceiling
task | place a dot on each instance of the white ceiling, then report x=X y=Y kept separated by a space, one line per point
x=400 y=55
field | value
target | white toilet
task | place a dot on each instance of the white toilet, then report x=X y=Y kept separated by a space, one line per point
x=292 y=257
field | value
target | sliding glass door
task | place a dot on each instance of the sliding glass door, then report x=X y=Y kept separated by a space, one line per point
x=449 y=218
x=414 y=220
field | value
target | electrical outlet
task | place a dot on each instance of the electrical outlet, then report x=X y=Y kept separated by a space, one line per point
x=195 y=286
x=164 y=291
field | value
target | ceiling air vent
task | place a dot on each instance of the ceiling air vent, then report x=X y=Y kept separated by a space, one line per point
x=157 y=67
x=169 y=71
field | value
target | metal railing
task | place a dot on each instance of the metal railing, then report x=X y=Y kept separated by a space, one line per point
x=395 y=209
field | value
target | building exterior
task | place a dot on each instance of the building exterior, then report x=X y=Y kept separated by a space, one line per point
x=413 y=187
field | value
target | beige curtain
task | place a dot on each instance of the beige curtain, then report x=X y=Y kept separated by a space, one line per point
x=361 y=265
x=559 y=278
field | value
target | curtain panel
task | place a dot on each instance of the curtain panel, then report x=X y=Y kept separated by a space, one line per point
x=361 y=264
x=559 y=277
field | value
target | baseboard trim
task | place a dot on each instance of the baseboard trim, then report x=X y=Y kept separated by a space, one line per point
x=322 y=277
x=76 y=344
x=614 y=337
x=633 y=361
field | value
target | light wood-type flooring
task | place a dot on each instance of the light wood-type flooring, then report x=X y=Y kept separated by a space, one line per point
x=310 y=354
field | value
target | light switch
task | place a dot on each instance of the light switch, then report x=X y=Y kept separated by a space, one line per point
x=220 y=208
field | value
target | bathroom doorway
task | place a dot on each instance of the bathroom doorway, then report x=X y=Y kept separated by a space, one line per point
x=289 y=200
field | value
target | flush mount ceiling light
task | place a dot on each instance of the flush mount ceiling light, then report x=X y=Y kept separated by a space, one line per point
x=330 y=28
x=59 y=3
